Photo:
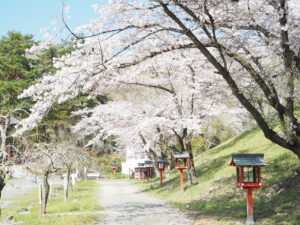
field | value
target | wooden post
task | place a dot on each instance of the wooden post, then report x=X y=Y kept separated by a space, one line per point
x=181 y=180
x=161 y=176
x=140 y=174
x=85 y=173
x=249 y=207
x=41 y=201
x=65 y=187
x=148 y=173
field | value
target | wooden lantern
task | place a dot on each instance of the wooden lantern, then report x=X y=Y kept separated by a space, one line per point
x=161 y=166
x=148 y=166
x=248 y=176
x=141 y=167
x=181 y=163
x=113 y=168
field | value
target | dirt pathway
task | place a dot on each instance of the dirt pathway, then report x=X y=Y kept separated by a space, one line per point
x=125 y=204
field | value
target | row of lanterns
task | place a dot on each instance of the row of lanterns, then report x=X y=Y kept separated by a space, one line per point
x=181 y=163
x=248 y=173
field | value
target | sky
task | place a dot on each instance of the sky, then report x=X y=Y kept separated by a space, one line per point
x=30 y=16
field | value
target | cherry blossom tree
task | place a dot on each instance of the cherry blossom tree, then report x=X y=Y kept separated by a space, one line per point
x=47 y=158
x=252 y=45
x=174 y=111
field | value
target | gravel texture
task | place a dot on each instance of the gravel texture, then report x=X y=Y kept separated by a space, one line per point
x=124 y=203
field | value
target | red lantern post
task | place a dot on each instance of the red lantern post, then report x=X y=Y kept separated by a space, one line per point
x=141 y=167
x=248 y=176
x=113 y=168
x=161 y=165
x=148 y=165
x=181 y=164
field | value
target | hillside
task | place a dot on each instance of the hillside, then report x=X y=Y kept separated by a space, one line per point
x=216 y=200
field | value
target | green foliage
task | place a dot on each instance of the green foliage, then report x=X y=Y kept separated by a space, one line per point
x=104 y=162
x=198 y=145
x=17 y=72
x=219 y=132
x=20 y=69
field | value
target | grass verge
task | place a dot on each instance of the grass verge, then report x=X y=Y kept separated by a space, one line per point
x=116 y=176
x=216 y=200
x=82 y=200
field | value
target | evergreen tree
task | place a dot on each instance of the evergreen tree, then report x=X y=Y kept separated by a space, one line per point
x=16 y=70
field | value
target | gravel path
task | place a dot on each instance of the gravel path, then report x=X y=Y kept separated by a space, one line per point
x=125 y=204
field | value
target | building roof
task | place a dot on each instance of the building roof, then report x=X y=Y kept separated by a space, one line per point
x=181 y=155
x=248 y=160
x=141 y=164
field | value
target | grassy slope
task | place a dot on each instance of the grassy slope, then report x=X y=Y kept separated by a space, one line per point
x=216 y=200
x=82 y=199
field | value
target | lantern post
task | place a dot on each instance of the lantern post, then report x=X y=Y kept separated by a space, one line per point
x=248 y=176
x=141 y=169
x=148 y=166
x=161 y=166
x=113 y=168
x=181 y=163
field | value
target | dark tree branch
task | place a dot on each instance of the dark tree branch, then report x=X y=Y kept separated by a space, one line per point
x=269 y=133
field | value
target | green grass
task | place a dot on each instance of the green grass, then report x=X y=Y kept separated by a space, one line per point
x=216 y=199
x=82 y=199
x=117 y=176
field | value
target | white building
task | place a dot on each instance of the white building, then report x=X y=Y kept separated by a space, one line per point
x=133 y=157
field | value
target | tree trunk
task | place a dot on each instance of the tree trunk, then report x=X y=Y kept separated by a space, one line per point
x=191 y=169
x=46 y=189
x=66 y=191
x=71 y=184
x=2 y=185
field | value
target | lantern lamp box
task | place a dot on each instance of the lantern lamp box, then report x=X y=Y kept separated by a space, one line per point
x=248 y=169
x=148 y=163
x=181 y=159
x=141 y=168
x=140 y=165
x=161 y=163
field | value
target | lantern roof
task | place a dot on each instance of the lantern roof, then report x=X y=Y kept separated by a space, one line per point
x=141 y=164
x=248 y=160
x=113 y=164
x=181 y=155
x=161 y=161
x=148 y=162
